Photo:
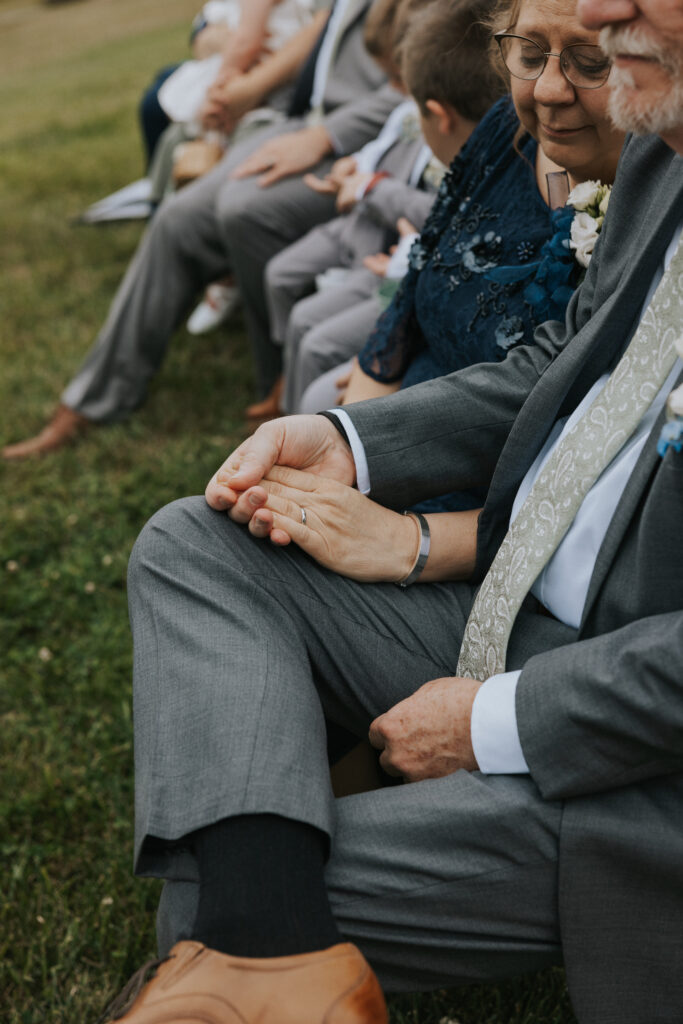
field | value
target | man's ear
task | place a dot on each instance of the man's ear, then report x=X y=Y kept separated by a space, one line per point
x=447 y=117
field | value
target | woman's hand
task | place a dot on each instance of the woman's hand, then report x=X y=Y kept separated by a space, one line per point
x=344 y=530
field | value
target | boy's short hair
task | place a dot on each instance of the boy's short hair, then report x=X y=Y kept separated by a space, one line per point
x=445 y=57
x=385 y=26
x=378 y=29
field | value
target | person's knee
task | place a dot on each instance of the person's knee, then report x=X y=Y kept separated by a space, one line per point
x=161 y=534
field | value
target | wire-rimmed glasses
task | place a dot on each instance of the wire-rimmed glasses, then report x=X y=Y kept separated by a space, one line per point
x=584 y=65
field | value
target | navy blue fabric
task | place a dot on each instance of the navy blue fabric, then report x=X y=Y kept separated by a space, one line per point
x=153 y=118
x=491 y=263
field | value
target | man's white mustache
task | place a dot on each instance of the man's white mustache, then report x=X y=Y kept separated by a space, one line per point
x=615 y=40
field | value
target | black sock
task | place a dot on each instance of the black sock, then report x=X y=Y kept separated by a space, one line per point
x=262 y=888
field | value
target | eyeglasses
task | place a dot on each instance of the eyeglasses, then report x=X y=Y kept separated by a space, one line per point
x=582 y=64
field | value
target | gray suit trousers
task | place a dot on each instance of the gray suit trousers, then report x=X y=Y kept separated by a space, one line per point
x=214 y=226
x=242 y=650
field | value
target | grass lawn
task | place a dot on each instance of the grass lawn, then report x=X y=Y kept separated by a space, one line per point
x=73 y=922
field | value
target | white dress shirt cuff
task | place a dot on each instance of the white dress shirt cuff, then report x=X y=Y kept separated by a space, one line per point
x=357 y=450
x=495 y=737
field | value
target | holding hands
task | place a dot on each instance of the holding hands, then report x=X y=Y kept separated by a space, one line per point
x=302 y=463
x=427 y=735
x=335 y=524
x=227 y=101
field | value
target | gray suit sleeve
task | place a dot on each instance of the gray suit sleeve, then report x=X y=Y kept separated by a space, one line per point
x=605 y=712
x=357 y=122
x=391 y=199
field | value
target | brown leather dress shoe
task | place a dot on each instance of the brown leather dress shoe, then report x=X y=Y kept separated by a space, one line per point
x=197 y=985
x=62 y=428
x=269 y=408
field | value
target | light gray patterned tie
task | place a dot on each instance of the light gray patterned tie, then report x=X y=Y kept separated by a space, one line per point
x=568 y=475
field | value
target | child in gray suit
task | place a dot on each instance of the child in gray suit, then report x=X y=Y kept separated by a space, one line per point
x=394 y=176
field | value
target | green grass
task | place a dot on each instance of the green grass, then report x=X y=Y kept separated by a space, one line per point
x=73 y=922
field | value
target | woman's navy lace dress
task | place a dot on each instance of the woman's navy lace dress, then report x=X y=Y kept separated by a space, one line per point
x=492 y=262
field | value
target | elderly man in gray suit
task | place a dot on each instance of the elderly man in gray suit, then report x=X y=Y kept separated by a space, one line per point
x=230 y=221
x=534 y=709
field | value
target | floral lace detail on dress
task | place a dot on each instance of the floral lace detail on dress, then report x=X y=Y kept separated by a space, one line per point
x=451 y=310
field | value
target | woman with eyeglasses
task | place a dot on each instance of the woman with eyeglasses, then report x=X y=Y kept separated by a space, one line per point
x=493 y=259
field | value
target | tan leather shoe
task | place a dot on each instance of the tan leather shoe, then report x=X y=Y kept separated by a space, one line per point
x=62 y=428
x=269 y=408
x=197 y=985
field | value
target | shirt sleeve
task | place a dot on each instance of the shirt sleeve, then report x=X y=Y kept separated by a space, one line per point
x=495 y=737
x=357 y=450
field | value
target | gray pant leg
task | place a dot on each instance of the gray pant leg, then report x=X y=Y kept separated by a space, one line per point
x=439 y=882
x=323 y=392
x=332 y=341
x=290 y=275
x=256 y=223
x=240 y=647
x=180 y=252
x=449 y=880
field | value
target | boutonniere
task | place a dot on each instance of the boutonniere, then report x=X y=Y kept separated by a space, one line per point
x=590 y=199
x=671 y=435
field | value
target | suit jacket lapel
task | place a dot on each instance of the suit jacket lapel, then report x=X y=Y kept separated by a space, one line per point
x=630 y=499
x=354 y=9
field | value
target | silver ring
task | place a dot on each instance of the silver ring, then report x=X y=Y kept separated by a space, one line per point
x=303 y=516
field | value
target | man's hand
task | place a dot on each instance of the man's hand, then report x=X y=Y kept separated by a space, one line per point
x=291 y=153
x=301 y=442
x=427 y=735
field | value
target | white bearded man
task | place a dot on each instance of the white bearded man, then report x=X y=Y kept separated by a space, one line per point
x=528 y=689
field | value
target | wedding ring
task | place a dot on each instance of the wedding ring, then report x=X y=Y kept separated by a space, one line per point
x=303 y=516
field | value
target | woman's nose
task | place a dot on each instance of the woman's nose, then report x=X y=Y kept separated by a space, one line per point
x=553 y=87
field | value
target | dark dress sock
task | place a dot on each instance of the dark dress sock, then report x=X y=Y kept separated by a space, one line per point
x=262 y=887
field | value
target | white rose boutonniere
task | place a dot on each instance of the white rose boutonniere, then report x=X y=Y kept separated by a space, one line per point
x=590 y=199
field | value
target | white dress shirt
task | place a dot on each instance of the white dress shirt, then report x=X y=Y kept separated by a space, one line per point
x=405 y=115
x=562 y=585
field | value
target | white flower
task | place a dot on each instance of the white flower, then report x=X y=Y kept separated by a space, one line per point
x=675 y=402
x=584 y=194
x=584 y=235
x=45 y=654
x=89 y=587
x=12 y=566
x=604 y=202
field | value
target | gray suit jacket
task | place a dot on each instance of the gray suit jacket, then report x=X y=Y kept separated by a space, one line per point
x=371 y=226
x=600 y=720
x=357 y=98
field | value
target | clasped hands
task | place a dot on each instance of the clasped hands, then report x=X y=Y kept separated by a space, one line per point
x=427 y=735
